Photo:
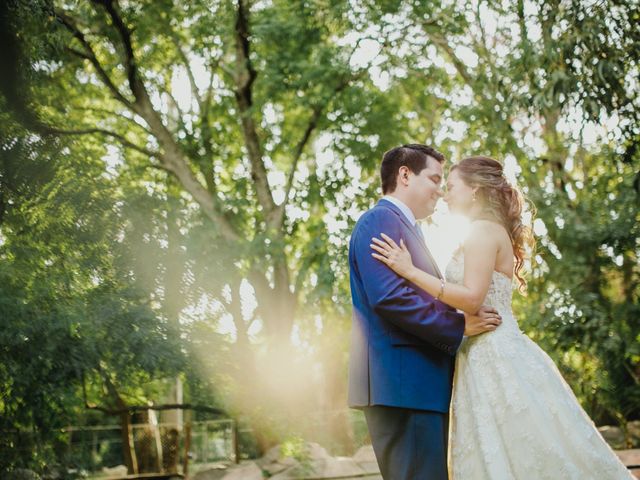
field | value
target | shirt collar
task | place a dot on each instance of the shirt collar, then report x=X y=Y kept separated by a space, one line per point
x=403 y=208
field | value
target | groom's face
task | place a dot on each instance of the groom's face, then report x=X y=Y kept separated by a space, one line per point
x=425 y=189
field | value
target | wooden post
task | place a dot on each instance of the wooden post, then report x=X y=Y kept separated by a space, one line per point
x=153 y=425
x=94 y=449
x=205 y=449
x=187 y=447
x=128 y=446
x=234 y=439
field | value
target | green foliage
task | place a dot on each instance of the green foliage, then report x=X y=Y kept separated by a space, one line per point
x=71 y=314
x=297 y=449
x=113 y=267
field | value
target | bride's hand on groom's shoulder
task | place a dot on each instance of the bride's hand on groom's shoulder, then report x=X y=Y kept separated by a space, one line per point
x=396 y=257
x=486 y=320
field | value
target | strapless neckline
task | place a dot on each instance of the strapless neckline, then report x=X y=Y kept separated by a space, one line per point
x=500 y=290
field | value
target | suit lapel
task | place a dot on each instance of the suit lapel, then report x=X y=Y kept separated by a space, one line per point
x=433 y=261
x=412 y=229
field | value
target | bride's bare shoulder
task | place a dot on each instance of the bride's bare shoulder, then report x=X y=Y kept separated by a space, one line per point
x=488 y=232
x=484 y=233
x=486 y=227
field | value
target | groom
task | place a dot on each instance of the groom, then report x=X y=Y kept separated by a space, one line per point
x=403 y=340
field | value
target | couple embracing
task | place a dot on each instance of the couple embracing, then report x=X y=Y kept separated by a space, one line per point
x=512 y=415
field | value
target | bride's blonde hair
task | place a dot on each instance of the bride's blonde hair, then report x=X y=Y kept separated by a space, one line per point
x=500 y=202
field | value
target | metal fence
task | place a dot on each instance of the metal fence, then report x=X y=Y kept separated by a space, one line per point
x=158 y=448
x=165 y=447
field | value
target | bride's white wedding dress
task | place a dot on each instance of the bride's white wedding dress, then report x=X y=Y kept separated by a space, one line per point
x=513 y=415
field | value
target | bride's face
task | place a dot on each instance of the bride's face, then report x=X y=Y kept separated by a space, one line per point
x=459 y=196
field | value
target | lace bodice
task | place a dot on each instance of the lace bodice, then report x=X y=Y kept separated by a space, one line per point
x=498 y=295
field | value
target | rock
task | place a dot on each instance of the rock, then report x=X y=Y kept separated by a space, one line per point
x=117 y=471
x=634 y=431
x=322 y=468
x=210 y=474
x=365 y=454
x=273 y=462
x=366 y=459
x=279 y=466
x=56 y=472
x=23 y=474
x=612 y=435
x=615 y=436
x=336 y=467
x=247 y=471
x=317 y=452
x=314 y=451
x=272 y=455
x=315 y=463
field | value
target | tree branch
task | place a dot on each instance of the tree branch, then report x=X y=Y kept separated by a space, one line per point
x=102 y=131
x=113 y=113
x=125 y=35
x=173 y=158
x=207 y=167
x=187 y=66
x=459 y=65
x=91 y=56
x=244 y=77
x=174 y=104
x=316 y=115
x=207 y=98
x=234 y=307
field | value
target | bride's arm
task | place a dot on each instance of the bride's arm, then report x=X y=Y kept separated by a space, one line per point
x=480 y=251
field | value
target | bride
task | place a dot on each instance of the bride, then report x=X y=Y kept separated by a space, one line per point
x=513 y=415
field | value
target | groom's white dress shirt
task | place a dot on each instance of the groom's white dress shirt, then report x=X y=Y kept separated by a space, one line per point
x=403 y=208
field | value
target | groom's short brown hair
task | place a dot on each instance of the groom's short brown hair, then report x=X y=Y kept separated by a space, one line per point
x=412 y=155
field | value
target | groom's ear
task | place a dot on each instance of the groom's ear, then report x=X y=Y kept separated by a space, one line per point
x=403 y=174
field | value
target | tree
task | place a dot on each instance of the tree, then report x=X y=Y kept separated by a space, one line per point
x=77 y=331
x=265 y=80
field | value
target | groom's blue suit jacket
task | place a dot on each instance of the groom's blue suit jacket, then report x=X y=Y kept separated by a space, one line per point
x=403 y=340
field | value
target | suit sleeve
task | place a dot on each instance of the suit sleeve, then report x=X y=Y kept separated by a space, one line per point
x=396 y=299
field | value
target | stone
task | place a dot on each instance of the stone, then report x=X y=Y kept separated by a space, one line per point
x=339 y=467
x=613 y=436
x=272 y=455
x=316 y=451
x=634 y=432
x=247 y=471
x=366 y=459
x=273 y=462
x=365 y=454
x=209 y=474
x=279 y=465
x=336 y=467
x=117 y=471
x=23 y=474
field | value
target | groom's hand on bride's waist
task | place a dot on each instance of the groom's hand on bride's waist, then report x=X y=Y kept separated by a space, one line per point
x=486 y=320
